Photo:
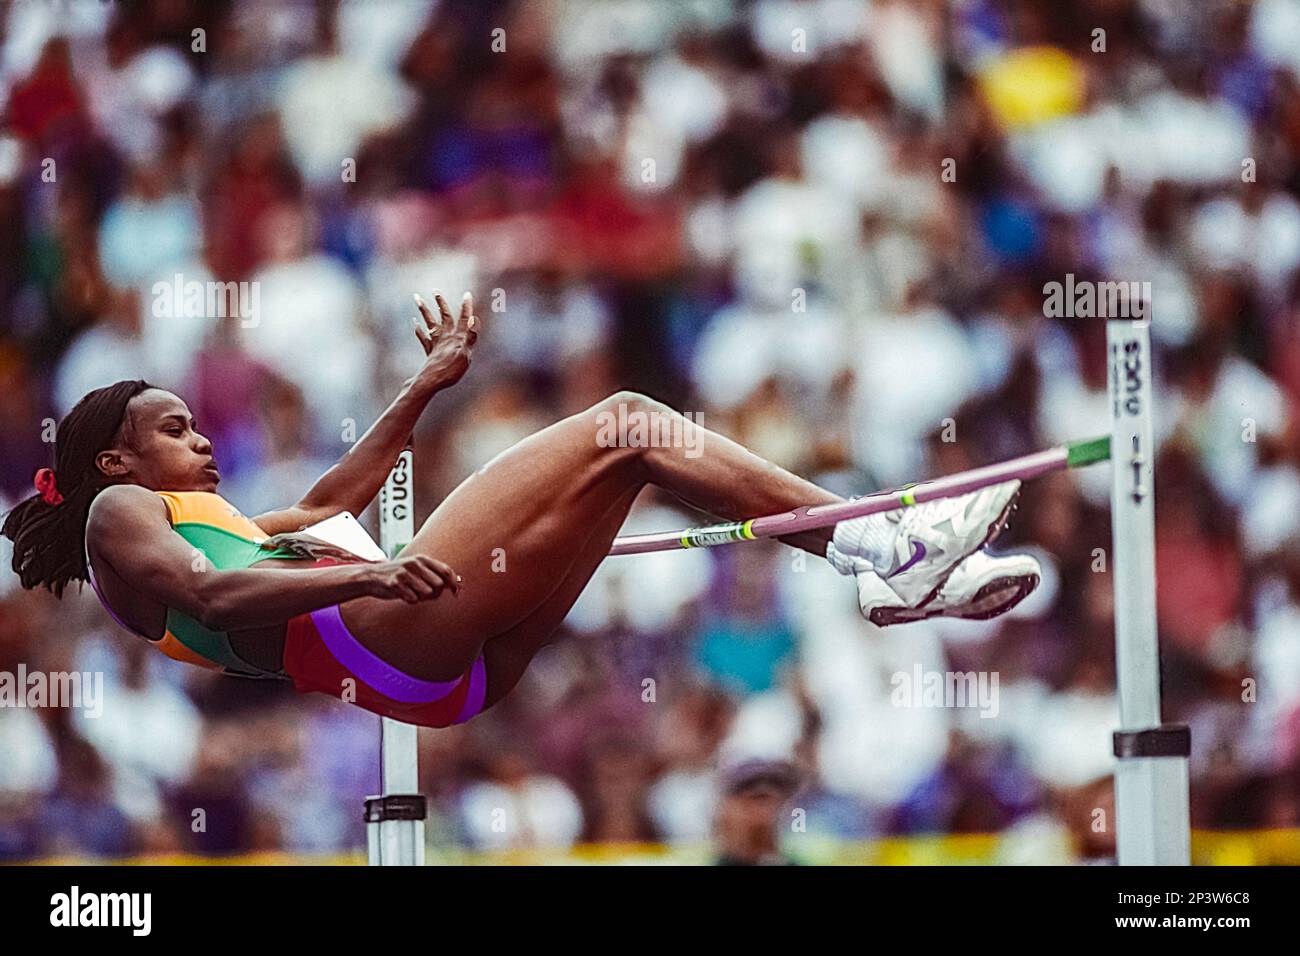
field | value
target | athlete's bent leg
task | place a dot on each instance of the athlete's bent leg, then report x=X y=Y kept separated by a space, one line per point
x=516 y=529
x=508 y=655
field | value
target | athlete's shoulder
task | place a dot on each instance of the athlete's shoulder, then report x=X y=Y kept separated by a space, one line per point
x=124 y=496
x=118 y=504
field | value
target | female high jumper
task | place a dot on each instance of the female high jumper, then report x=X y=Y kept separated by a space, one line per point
x=443 y=631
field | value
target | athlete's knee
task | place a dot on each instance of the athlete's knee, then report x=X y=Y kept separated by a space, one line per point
x=626 y=403
x=629 y=425
x=636 y=413
x=635 y=429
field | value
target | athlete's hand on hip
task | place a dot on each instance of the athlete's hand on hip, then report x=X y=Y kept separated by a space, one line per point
x=448 y=340
x=412 y=578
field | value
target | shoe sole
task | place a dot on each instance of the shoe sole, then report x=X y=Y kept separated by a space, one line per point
x=994 y=529
x=1024 y=584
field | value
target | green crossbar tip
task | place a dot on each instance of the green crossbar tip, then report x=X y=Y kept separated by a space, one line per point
x=1082 y=453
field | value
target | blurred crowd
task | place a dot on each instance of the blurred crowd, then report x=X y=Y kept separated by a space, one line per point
x=822 y=225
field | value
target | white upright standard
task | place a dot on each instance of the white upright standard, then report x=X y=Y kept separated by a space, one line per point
x=395 y=820
x=1152 y=823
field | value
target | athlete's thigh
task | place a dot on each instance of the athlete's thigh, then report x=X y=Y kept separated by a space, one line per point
x=513 y=531
x=509 y=653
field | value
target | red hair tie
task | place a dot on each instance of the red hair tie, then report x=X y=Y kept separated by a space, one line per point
x=45 y=484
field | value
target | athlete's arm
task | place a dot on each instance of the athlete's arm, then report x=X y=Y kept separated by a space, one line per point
x=143 y=549
x=356 y=478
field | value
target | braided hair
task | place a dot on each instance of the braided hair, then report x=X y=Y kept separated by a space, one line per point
x=49 y=528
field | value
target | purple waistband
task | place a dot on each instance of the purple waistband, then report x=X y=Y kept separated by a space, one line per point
x=381 y=675
x=477 y=692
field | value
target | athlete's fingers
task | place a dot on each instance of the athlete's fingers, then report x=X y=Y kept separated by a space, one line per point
x=444 y=570
x=415 y=574
x=428 y=574
x=446 y=320
x=430 y=321
x=421 y=588
x=422 y=566
x=422 y=333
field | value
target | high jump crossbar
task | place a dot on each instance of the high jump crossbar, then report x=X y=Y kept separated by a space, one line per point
x=810 y=518
x=1152 y=820
x=395 y=818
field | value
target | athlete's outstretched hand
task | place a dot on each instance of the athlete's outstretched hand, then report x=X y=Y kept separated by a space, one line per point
x=412 y=578
x=448 y=340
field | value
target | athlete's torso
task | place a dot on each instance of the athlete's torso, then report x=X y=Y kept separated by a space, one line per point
x=228 y=540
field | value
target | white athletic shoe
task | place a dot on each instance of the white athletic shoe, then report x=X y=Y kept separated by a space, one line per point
x=981 y=587
x=924 y=543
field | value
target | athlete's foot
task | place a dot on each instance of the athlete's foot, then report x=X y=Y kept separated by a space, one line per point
x=980 y=588
x=914 y=549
